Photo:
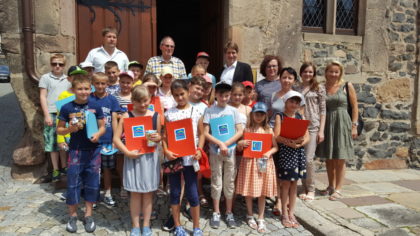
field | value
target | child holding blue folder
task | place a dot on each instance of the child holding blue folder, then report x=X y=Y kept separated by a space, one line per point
x=222 y=153
x=84 y=162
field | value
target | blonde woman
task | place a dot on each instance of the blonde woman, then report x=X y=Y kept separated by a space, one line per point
x=340 y=128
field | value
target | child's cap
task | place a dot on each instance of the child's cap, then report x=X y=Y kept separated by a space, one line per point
x=75 y=70
x=86 y=64
x=223 y=86
x=248 y=84
x=167 y=70
x=259 y=107
x=203 y=55
x=135 y=63
x=292 y=94
x=208 y=79
x=127 y=73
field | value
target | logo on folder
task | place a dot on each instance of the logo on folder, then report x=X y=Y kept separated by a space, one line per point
x=256 y=146
x=223 y=129
x=138 y=131
x=180 y=134
x=151 y=107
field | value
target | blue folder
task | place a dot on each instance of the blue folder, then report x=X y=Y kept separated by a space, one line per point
x=91 y=124
x=223 y=128
x=64 y=101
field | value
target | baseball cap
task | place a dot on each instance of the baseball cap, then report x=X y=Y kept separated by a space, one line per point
x=291 y=94
x=75 y=70
x=167 y=70
x=223 y=85
x=208 y=79
x=203 y=54
x=86 y=64
x=259 y=107
x=248 y=84
x=127 y=73
x=135 y=63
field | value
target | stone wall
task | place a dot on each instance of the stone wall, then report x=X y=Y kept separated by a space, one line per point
x=54 y=27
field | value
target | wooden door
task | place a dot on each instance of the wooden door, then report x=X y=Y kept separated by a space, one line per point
x=135 y=20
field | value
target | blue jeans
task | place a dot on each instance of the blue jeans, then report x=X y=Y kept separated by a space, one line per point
x=190 y=177
x=83 y=172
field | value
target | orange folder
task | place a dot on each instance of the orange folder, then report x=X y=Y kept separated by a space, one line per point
x=155 y=105
x=293 y=128
x=135 y=133
x=260 y=144
x=181 y=137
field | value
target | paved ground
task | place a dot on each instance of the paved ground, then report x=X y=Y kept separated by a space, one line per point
x=36 y=209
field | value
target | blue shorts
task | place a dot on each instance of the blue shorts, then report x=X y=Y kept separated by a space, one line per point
x=83 y=172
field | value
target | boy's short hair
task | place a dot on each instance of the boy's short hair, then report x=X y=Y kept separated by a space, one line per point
x=231 y=45
x=198 y=80
x=135 y=64
x=110 y=64
x=99 y=75
x=80 y=79
x=223 y=87
x=58 y=56
x=109 y=29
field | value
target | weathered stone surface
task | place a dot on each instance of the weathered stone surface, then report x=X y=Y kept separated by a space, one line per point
x=388 y=114
x=47 y=21
x=9 y=45
x=364 y=201
x=394 y=90
x=398 y=17
x=374 y=80
x=386 y=164
x=411 y=200
x=391 y=214
x=402 y=152
x=55 y=44
x=382 y=126
x=29 y=152
x=399 y=127
x=370 y=112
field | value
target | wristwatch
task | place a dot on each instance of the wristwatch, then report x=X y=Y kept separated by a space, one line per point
x=355 y=123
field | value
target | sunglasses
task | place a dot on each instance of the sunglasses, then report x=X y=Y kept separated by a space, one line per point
x=57 y=64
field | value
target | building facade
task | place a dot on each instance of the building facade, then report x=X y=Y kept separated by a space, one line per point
x=376 y=40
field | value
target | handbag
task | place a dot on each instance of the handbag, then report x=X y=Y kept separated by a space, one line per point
x=360 y=121
x=172 y=167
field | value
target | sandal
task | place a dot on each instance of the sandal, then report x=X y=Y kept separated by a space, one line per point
x=310 y=197
x=251 y=222
x=335 y=196
x=261 y=226
x=203 y=201
x=302 y=196
x=295 y=223
x=286 y=222
x=328 y=191
x=276 y=211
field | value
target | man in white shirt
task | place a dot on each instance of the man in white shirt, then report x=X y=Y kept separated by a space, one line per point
x=108 y=52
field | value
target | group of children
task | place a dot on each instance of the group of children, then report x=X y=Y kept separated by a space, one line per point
x=197 y=98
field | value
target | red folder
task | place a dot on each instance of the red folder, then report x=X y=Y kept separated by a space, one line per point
x=135 y=133
x=260 y=144
x=181 y=137
x=293 y=128
x=155 y=105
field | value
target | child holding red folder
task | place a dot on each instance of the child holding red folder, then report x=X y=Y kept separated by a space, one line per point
x=257 y=176
x=291 y=161
x=141 y=171
x=184 y=110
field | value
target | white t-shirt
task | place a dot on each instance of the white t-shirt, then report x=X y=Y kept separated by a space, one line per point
x=174 y=114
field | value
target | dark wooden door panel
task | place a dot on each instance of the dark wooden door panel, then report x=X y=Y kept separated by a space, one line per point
x=137 y=28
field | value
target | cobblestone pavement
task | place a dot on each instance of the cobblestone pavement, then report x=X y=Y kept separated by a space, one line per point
x=36 y=209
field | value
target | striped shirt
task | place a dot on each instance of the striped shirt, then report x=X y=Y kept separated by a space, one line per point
x=155 y=65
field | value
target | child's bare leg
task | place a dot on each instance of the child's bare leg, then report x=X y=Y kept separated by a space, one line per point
x=89 y=208
x=216 y=205
x=63 y=158
x=229 y=205
x=285 y=186
x=248 y=201
x=107 y=181
x=135 y=206
x=175 y=214
x=195 y=213
x=292 y=197
x=147 y=208
x=278 y=203
x=54 y=160
x=261 y=207
x=72 y=210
